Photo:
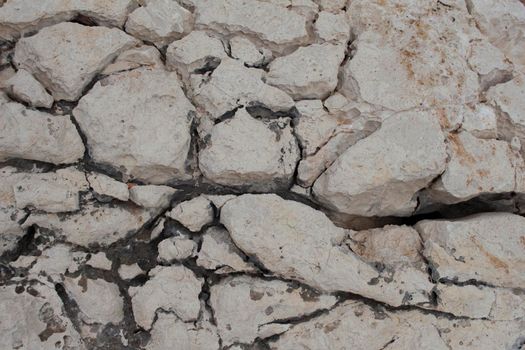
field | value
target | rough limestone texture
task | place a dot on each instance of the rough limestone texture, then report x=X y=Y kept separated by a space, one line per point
x=152 y=107
x=262 y=175
x=381 y=174
x=89 y=50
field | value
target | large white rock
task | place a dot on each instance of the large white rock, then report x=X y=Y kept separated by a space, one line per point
x=297 y=242
x=94 y=224
x=275 y=26
x=246 y=308
x=410 y=54
x=20 y=128
x=51 y=192
x=486 y=247
x=138 y=122
x=159 y=22
x=27 y=89
x=20 y=17
x=98 y=301
x=89 y=50
x=36 y=320
x=381 y=174
x=174 y=289
x=250 y=152
x=309 y=72
x=193 y=214
x=232 y=85
x=503 y=22
x=169 y=332
x=475 y=167
x=218 y=253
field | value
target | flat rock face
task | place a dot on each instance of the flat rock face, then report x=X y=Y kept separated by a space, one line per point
x=381 y=174
x=89 y=49
x=27 y=89
x=487 y=248
x=123 y=135
x=232 y=159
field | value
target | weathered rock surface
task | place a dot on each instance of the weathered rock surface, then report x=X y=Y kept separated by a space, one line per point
x=193 y=214
x=151 y=196
x=381 y=174
x=142 y=56
x=262 y=303
x=176 y=248
x=124 y=135
x=89 y=50
x=26 y=88
x=58 y=139
x=20 y=17
x=232 y=85
x=488 y=248
x=128 y=272
x=233 y=159
x=35 y=319
x=174 y=289
x=107 y=186
x=246 y=51
x=284 y=236
x=94 y=224
x=159 y=22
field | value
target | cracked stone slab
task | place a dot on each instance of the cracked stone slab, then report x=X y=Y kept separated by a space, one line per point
x=94 y=224
x=24 y=87
x=89 y=50
x=277 y=27
x=58 y=139
x=309 y=72
x=159 y=22
x=487 y=247
x=173 y=289
x=284 y=236
x=125 y=115
x=232 y=85
x=265 y=305
x=381 y=174
x=21 y=17
x=231 y=157
x=35 y=319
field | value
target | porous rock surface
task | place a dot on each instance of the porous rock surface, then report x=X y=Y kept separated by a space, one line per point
x=262 y=174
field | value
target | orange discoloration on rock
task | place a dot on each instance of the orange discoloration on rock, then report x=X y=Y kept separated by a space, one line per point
x=458 y=148
x=494 y=260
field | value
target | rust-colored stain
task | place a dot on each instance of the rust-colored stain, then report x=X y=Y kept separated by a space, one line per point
x=495 y=261
x=522 y=238
x=443 y=120
x=465 y=158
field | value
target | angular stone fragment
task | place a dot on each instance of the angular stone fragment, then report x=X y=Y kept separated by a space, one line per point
x=480 y=121
x=232 y=158
x=99 y=261
x=128 y=272
x=195 y=52
x=367 y=328
x=134 y=58
x=125 y=116
x=35 y=320
x=58 y=139
x=174 y=289
x=218 y=253
x=486 y=247
x=20 y=17
x=380 y=175
x=314 y=127
x=99 y=301
x=93 y=224
x=475 y=167
x=410 y=55
x=262 y=303
x=26 y=88
x=284 y=236
x=332 y=27
x=275 y=26
x=490 y=63
x=51 y=192
x=466 y=301
x=107 y=186
x=169 y=332
x=176 y=248
x=244 y=50
x=159 y=22
x=309 y=72
x=89 y=50
x=232 y=85
x=503 y=22
x=193 y=214
x=151 y=196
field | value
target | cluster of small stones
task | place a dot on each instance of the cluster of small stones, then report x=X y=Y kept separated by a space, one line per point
x=262 y=174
